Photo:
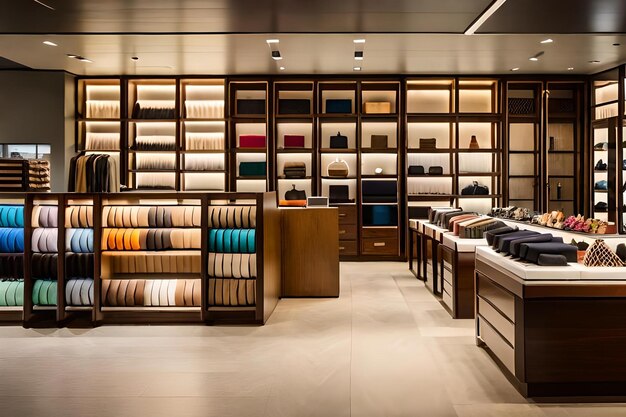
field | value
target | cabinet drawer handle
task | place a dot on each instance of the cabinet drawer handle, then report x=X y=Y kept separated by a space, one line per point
x=342 y=214
x=379 y=244
x=342 y=248
x=342 y=232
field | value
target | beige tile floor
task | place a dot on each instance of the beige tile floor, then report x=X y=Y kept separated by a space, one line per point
x=384 y=348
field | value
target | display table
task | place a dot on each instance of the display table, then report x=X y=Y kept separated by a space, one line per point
x=310 y=253
x=416 y=229
x=457 y=272
x=556 y=331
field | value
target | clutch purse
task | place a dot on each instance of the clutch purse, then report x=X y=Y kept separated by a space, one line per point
x=436 y=170
x=294 y=141
x=416 y=170
x=338 y=168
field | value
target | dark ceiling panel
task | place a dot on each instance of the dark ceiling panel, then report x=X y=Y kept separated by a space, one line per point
x=239 y=16
x=558 y=16
x=7 y=64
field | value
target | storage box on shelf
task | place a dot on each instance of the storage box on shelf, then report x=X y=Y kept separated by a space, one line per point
x=250 y=137
x=204 y=151
x=11 y=259
x=295 y=132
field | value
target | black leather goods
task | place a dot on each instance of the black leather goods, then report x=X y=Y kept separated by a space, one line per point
x=379 y=142
x=514 y=245
x=339 y=141
x=475 y=189
x=531 y=251
x=416 y=170
x=504 y=241
x=374 y=191
x=546 y=259
x=251 y=106
x=491 y=234
x=601 y=166
x=294 y=194
x=338 y=105
x=620 y=251
x=294 y=106
x=338 y=194
x=601 y=207
x=435 y=170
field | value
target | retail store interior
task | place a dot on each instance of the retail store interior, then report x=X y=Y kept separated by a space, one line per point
x=313 y=208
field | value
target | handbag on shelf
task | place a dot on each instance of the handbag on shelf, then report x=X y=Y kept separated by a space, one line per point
x=294 y=194
x=252 y=141
x=294 y=106
x=294 y=170
x=600 y=254
x=252 y=169
x=602 y=146
x=338 y=105
x=338 y=168
x=436 y=170
x=601 y=207
x=377 y=107
x=474 y=143
x=294 y=141
x=416 y=170
x=339 y=141
x=379 y=142
x=251 y=106
x=601 y=185
x=602 y=166
x=428 y=143
x=338 y=194
x=475 y=189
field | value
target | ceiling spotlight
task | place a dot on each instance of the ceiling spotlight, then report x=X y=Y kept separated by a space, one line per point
x=282 y=68
x=49 y=43
x=483 y=18
x=616 y=44
x=271 y=41
x=357 y=68
x=72 y=56
x=44 y=5
x=547 y=41
x=276 y=55
x=358 y=55
x=570 y=68
x=359 y=41
x=515 y=69
x=82 y=59
x=134 y=58
x=535 y=57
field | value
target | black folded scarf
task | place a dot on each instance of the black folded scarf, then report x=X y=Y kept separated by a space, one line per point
x=531 y=251
x=491 y=234
x=514 y=246
x=504 y=241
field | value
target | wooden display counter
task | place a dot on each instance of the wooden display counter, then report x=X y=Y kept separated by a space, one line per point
x=310 y=253
x=555 y=331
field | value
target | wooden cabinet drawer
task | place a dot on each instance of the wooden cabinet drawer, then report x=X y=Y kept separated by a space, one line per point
x=446 y=254
x=380 y=232
x=497 y=296
x=446 y=297
x=497 y=344
x=380 y=246
x=347 y=214
x=347 y=247
x=497 y=320
x=347 y=231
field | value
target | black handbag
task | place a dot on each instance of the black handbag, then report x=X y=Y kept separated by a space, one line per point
x=339 y=141
x=475 y=189
x=416 y=170
x=294 y=106
x=294 y=194
x=436 y=170
x=601 y=166
x=338 y=194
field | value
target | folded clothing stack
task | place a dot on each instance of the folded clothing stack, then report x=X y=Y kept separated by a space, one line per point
x=150 y=239
x=151 y=216
x=11 y=293
x=154 y=109
x=204 y=109
x=155 y=143
x=294 y=170
x=151 y=293
x=12 y=260
x=38 y=175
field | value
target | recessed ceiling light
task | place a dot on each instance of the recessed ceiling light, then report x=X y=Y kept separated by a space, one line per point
x=616 y=44
x=282 y=68
x=72 y=56
x=44 y=4
x=81 y=59
x=271 y=41
x=359 y=41
x=570 y=68
x=357 y=68
x=134 y=58
x=358 y=55
x=515 y=69
x=533 y=58
x=276 y=55
x=547 y=41
x=49 y=43
x=483 y=18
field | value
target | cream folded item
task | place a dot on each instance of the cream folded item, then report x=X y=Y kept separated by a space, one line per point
x=97 y=141
x=232 y=265
x=103 y=109
x=204 y=109
x=224 y=292
x=152 y=293
x=209 y=141
x=151 y=262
